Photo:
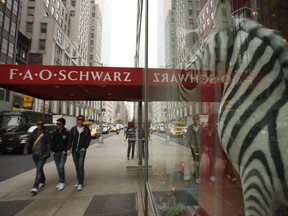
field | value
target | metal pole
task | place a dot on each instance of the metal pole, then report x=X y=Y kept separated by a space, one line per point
x=146 y=106
x=100 y=124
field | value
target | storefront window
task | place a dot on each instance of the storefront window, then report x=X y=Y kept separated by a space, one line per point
x=213 y=150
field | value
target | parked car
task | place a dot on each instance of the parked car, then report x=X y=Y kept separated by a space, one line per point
x=105 y=130
x=95 y=130
x=113 y=129
x=16 y=138
x=162 y=129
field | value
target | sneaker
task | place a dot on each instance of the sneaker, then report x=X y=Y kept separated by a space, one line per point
x=61 y=186
x=76 y=185
x=41 y=185
x=80 y=187
x=57 y=186
x=212 y=179
x=198 y=181
x=34 y=190
x=233 y=180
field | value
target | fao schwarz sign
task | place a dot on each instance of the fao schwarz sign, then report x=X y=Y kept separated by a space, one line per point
x=81 y=75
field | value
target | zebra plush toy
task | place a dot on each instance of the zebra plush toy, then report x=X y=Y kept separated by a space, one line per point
x=253 y=114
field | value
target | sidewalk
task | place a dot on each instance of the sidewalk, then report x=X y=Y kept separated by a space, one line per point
x=107 y=177
x=105 y=174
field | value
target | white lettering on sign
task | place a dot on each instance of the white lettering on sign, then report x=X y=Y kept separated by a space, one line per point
x=72 y=75
x=28 y=75
x=45 y=74
x=127 y=77
x=195 y=78
x=13 y=72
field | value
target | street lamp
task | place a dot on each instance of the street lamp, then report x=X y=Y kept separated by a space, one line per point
x=100 y=123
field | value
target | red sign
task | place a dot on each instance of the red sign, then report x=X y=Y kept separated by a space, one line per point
x=104 y=83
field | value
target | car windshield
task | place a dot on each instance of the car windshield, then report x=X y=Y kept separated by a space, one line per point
x=10 y=120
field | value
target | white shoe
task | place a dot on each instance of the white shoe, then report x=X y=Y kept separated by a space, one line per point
x=76 y=185
x=61 y=186
x=80 y=187
x=34 y=190
x=198 y=181
x=212 y=179
x=41 y=185
x=57 y=186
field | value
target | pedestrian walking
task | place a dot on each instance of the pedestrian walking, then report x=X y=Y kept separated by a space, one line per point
x=211 y=144
x=193 y=137
x=131 y=136
x=59 y=148
x=78 y=142
x=40 y=143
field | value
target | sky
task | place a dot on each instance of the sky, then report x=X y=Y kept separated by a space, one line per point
x=119 y=33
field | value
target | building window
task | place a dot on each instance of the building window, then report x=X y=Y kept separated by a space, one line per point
x=29 y=26
x=15 y=8
x=9 y=4
x=73 y=3
x=59 y=36
x=7 y=23
x=47 y=3
x=72 y=13
x=4 y=95
x=1 y=18
x=42 y=44
x=24 y=54
x=4 y=46
x=30 y=11
x=13 y=29
x=11 y=50
x=57 y=16
x=43 y=27
x=52 y=10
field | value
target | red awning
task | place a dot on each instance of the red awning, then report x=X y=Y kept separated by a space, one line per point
x=103 y=83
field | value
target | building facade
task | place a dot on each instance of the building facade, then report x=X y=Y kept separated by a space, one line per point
x=9 y=15
x=60 y=33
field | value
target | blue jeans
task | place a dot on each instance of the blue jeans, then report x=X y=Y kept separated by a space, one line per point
x=78 y=158
x=39 y=161
x=60 y=160
x=131 y=143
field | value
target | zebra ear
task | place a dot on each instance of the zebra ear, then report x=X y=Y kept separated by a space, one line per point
x=223 y=15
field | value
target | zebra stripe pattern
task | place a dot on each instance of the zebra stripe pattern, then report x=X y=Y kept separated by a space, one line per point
x=253 y=115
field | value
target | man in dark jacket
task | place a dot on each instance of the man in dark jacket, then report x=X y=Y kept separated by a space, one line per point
x=193 y=137
x=39 y=141
x=59 y=149
x=131 y=135
x=78 y=142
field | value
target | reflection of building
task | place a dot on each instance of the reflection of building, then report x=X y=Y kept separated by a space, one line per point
x=187 y=33
x=170 y=39
x=274 y=15
x=9 y=11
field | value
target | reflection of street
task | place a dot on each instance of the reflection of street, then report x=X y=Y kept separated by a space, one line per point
x=222 y=197
x=178 y=140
